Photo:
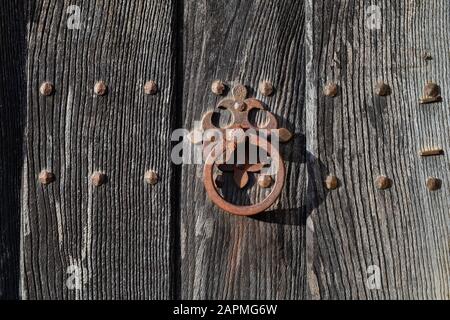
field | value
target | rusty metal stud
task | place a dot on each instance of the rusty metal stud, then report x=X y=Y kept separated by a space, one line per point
x=331 y=90
x=265 y=181
x=383 y=183
x=331 y=182
x=240 y=92
x=266 y=88
x=240 y=106
x=46 y=89
x=218 y=87
x=151 y=177
x=431 y=93
x=434 y=184
x=150 y=88
x=432 y=152
x=46 y=177
x=100 y=88
x=432 y=90
x=98 y=179
x=382 y=89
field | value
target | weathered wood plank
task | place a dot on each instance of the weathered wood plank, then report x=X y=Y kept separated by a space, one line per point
x=116 y=238
x=12 y=110
x=222 y=256
x=359 y=136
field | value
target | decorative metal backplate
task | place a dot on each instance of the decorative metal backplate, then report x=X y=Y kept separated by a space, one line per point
x=240 y=131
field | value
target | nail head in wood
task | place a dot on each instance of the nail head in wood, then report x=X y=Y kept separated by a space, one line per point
x=218 y=87
x=266 y=88
x=432 y=152
x=431 y=93
x=331 y=182
x=150 y=88
x=383 y=183
x=46 y=89
x=432 y=90
x=240 y=106
x=98 y=179
x=265 y=181
x=46 y=177
x=100 y=88
x=240 y=92
x=151 y=177
x=331 y=90
x=382 y=89
x=434 y=184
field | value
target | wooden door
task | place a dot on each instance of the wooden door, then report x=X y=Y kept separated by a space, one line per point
x=223 y=256
x=130 y=239
x=115 y=241
x=402 y=233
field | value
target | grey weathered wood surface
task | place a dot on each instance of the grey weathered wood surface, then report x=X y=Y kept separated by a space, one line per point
x=358 y=136
x=12 y=110
x=222 y=256
x=130 y=240
x=118 y=235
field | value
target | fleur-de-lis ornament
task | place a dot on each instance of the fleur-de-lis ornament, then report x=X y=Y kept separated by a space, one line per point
x=241 y=172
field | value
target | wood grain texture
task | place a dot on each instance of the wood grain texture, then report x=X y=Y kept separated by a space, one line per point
x=359 y=136
x=118 y=236
x=223 y=256
x=130 y=240
x=12 y=110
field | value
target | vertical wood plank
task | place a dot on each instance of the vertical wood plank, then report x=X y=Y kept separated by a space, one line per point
x=404 y=230
x=116 y=239
x=222 y=256
x=12 y=110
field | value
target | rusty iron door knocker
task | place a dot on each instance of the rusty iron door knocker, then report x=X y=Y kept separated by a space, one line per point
x=238 y=132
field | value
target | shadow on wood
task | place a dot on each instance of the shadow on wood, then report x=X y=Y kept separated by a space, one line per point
x=12 y=105
x=316 y=172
